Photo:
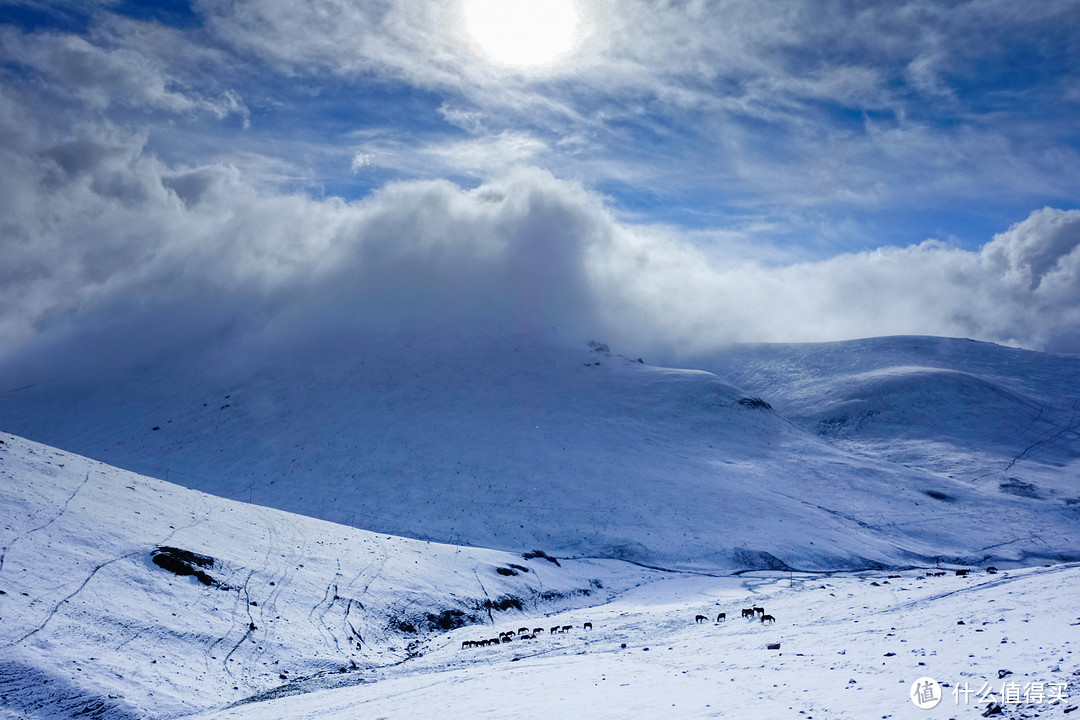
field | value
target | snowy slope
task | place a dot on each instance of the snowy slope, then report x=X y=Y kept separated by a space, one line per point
x=91 y=627
x=511 y=443
x=851 y=647
x=998 y=418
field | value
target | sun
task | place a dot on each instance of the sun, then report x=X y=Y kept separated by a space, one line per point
x=523 y=33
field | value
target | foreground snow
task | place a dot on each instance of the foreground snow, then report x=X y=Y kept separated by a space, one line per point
x=849 y=649
x=92 y=628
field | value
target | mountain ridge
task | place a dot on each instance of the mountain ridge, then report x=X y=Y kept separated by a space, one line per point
x=513 y=443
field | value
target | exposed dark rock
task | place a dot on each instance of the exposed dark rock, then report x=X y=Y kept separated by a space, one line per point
x=184 y=562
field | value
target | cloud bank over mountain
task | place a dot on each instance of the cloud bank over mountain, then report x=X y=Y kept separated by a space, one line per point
x=112 y=243
x=272 y=175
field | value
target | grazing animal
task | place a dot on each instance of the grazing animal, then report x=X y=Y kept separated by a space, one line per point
x=553 y=630
x=587 y=626
x=721 y=616
x=700 y=619
x=537 y=631
x=991 y=570
x=523 y=631
x=467 y=644
x=768 y=618
x=759 y=611
x=506 y=638
x=748 y=612
x=774 y=646
x=567 y=627
x=961 y=573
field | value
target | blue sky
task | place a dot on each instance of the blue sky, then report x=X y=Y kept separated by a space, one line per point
x=709 y=145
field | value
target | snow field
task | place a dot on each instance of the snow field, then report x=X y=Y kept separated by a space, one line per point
x=92 y=628
x=89 y=621
x=835 y=634
x=892 y=451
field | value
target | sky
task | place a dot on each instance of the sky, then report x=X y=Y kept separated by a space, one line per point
x=669 y=176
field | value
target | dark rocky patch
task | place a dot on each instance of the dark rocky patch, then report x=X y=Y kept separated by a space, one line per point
x=403 y=626
x=539 y=554
x=504 y=603
x=184 y=562
x=451 y=620
x=1015 y=486
x=759 y=560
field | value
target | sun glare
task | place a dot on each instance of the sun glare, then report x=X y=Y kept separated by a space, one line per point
x=523 y=33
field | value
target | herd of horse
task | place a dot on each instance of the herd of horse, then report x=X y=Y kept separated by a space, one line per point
x=750 y=613
x=523 y=633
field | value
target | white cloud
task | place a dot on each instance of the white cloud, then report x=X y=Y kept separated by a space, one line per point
x=361 y=160
x=109 y=251
x=477 y=157
x=117 y=70
x=762 y=98
x=110 y=256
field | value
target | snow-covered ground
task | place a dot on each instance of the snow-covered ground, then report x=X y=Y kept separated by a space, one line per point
x=889 y=452
x=995 y=417
x=88 y=620
x=851 y=646
x=307 y=619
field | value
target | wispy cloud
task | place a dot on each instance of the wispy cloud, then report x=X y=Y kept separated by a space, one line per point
x=117 y=244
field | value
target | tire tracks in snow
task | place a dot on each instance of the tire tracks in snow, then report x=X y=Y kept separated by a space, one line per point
x=67 y=598
x=1046 y=438
x=320 y=623
x=247 y=632
x=63 y=509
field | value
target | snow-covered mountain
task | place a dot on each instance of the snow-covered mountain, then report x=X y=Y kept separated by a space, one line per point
x=95 y=622
x=289 y=617
x=996 y=417
x=894 y=451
